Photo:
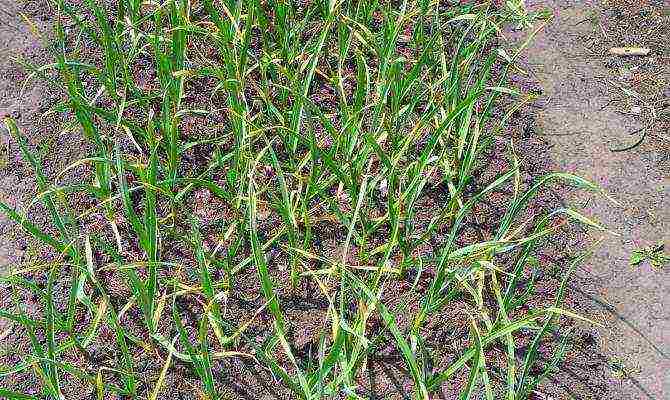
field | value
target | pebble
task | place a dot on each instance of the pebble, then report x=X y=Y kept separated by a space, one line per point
x=383 y=187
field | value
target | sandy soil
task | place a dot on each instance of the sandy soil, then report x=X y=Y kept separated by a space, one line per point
x=29 y=103
x=580 y=127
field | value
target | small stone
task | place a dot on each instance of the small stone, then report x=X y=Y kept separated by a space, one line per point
x=383 y=187
x=637 y=110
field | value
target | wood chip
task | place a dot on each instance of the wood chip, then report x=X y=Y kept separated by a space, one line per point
x=630 y=51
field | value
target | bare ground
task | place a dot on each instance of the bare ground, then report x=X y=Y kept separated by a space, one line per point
x=582 y=126
x=29 y=102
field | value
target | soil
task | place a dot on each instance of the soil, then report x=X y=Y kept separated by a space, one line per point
x=571 y=130
x=582 y=126
x=15 y=39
